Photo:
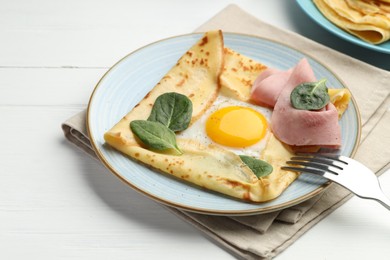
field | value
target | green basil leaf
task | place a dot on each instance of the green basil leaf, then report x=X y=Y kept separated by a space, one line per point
x=173 y=110
x=310 y=96
x=259 y=168
x=155 y=135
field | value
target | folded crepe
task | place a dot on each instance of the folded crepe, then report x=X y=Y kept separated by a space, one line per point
x=369 y=20
x=205 y=72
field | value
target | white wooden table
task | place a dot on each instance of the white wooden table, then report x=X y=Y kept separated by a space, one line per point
x=58 y=203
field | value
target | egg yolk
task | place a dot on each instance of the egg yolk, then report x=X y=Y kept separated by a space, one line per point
x=236 y=126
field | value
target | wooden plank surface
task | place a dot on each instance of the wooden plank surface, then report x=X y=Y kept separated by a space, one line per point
x=58 y=203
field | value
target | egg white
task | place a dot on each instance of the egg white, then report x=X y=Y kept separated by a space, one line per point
x=197 y=130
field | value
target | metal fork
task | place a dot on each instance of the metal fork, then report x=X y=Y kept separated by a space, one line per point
x=345 y=171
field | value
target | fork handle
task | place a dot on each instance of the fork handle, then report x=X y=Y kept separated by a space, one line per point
x=382 y=199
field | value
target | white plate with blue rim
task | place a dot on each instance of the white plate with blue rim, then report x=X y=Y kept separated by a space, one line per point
x=312 y=11
x=131 y=78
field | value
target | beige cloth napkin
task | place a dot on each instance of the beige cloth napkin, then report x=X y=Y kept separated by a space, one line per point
x=265 y=236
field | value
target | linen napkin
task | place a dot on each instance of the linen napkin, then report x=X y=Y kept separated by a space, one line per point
x=265 y=236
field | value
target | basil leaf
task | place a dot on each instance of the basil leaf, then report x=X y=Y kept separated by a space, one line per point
x=155 y=135
x=173 y=110
x=259 y=168
x=310 y=95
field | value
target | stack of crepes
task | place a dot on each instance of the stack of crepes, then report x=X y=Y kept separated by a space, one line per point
x=366 y=19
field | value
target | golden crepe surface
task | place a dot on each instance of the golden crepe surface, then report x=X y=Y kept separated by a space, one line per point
x=340 y=99
x=369 y=20
x=205 y=71
x=238 y=75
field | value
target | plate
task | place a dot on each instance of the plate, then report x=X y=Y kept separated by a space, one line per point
x=311 y=10
x=129 y=80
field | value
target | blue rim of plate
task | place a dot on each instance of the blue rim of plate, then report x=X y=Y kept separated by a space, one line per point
x=311 y=10
x=132 y=77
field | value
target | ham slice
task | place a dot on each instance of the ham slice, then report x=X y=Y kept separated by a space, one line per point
x=292 y=126
x=268 y=86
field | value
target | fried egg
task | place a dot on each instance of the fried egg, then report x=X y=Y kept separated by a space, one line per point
x=215 y=80
x=232 y=124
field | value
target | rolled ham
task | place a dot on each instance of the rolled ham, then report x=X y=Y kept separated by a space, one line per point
x=268 y=86
x=292 y=126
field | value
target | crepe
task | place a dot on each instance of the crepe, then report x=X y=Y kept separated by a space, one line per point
x=368 y=20
x=207 y=70
x=195 y=75
x=238 y=75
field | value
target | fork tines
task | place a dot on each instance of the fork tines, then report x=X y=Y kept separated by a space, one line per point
x=345 y=171
x=316 y=163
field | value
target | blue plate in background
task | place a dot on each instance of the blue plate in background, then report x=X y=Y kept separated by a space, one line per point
x=311 y=10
